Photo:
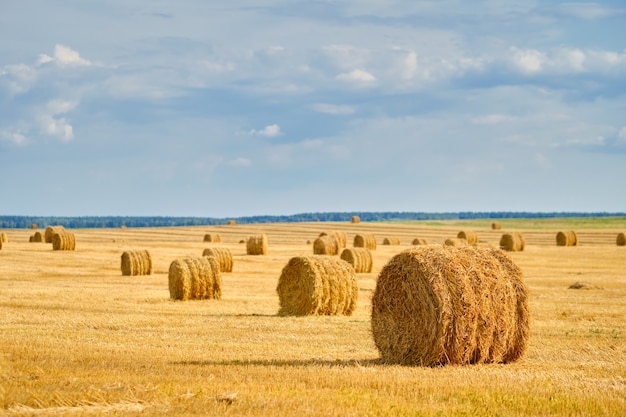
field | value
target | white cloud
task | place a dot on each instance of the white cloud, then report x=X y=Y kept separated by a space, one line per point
x=16 y=138
x=18 y=78
x=59 y=127
x=338 y=110
x=239 y=162
x=269 y=131
x=410 y=65
x=621 y=136
x=529 y=61
x=64 y=56
x=588 y=10
x=358 y=76
x=492 y=119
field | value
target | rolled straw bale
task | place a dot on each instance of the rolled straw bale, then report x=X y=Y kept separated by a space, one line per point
x=355 y=219
x=37 y=237
x=566 y=238
x=64 y=240
x=621 y=239
x=212 y=237
x=136 y=262
x=419 y=241
x=391 y=241
x=339 y=236
x=496 y=226
x=51 y=230
x=31 y=239
x=257 y=245
x=3 y=237
x=326 y=245
x=232 y=222
x=455 y=241
x=33 y=226
x=359 y=258
x=1 y=243
x=317 y=285
x=436 y=305
x=469 y=235
x=365 y=241
x=512 y=242
x=224 y=257
x=195 y=278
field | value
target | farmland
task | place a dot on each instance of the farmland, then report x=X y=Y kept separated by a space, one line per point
x=79 y=338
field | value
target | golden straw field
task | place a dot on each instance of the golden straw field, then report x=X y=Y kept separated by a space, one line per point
x=80 y=338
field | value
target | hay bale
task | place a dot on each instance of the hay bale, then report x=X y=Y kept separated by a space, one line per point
x=437 y=305
x=212 y=237
x=339 y=236
x=30 y=239
x=621 y=239
x=394 y=241
x=223 y=256
x=469 y=235
x=136 y=262
x=365 y=241
x=566 y=238
x=3 y=237
x=37 y=237
x=257 y=245
x=326 y=245
x=317 y=285
x=195 y=278
x=232 y=222
x=64 y=240
x=33 y=226
x=512 y=242
x=355 y=219
x=419 y=241
x=496 y=226
x=455 y=241
x=51 y=230
x=359 y=258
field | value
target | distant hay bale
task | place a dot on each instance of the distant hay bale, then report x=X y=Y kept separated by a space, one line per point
x=496 y=226
x=3 y=237
x=512 y=242
x=257 y=245
x=317 y=285
x=339 y=236
x=30 y=238
x=365 y=241
x=33 y=226
x=212 y=237
x=195 y=278
x=419 y=241
x=393 y=241
x=123 y=227
x=37 y=237
x=621 y=239
x=455 y=241
x=51 y=230
x=224 y=257
x=232 y=222
x=359 y=258
x=355 y=219
x=64 y=240
x=326 y=245
x=437 y=305
x=566 y=238
x=136 y=262
x=469 y=235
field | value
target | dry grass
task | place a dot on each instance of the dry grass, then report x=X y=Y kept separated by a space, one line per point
x=80 y=339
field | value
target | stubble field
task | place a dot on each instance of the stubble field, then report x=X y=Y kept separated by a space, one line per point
x=79 y=338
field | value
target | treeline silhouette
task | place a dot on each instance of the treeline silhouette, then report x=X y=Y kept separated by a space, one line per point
x=18 y=222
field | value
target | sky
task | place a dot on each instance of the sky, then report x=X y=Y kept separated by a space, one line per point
x=278 y=107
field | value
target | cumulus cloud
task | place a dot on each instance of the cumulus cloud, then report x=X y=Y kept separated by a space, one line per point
x=358 y=76
x=17 y=138
x=268 y=131
x=18 y=78
x=64 y=56
x=334 y=109
x=492 y=119
x=529 y=61
x=52 y=125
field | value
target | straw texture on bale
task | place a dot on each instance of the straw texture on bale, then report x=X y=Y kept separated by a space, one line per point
x=326 y=245
x=64 y=240
x=195 y=278
x=212 y=237
x=37 y=237
x=317 y=285
x=365 y=241
x=496 y=226
x=359 y=258
x=257 y=245
x=469 y=235
x=51 y=230
x=339 y=236
x=394 y=241
x=437 y=305
x=621 y=239
x=355 y=219
x=566 y=238
x=512 y=242
x=224 y=257
x=136 y=262
x=455 y=241
x=3 y=237
x=419 y=241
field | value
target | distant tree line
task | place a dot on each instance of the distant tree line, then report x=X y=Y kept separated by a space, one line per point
x=19 y=222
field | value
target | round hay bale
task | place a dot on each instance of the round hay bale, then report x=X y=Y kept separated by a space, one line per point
x=339 y=236
x=224 y=258
x=359 y=258
x=365 y=241
x=496 y=226
x=355 y=219
x=212 y=237
x=51 y=230
x=566 y=238
x=136 y=262
x=37 y=237
x=195 y=278
x=30 y=239
x=257 y=245
x=394 y=241
x=33 y=226
x=621 y=239
x=437 y=305
x=326 y=245
x=469 y=235
x=455 y=241
x=512 y=242
x=3 y=237
x=232 y=222
x=317 y=285
x=64 y=240
x=418 y=241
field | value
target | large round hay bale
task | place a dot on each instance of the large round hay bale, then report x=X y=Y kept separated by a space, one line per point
x=359 y=258
x=195 y=278
x=512 y=242
x=566 y=238
x=136 y=262
x=621 y=239
x=365 y=241
x=212 y=237
x=257 y=245
x=224 y=257
x=469 y=235
x=51 y=230
x=436 y=305
x=37 y=237
x=455 y=241
x=393 y=241
x=355 y=219
x=326 y=245
x=3 y=237
x=496 y=226
x=317 y=285
x=418 y=241
x=64 y=240
x=339 y=236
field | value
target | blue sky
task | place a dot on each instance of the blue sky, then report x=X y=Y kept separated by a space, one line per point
x=235 y=108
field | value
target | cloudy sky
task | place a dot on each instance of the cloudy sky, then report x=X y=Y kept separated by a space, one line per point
x=235 y=108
